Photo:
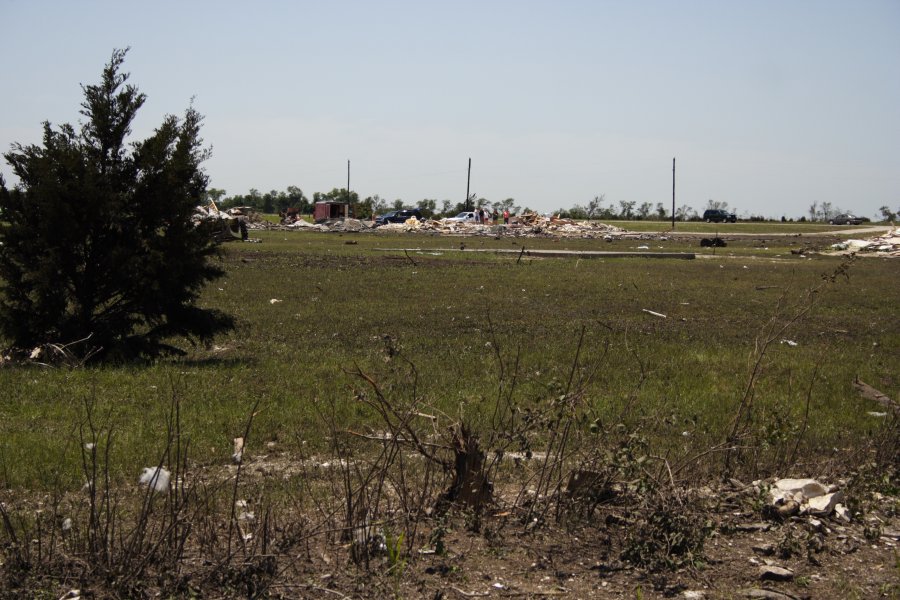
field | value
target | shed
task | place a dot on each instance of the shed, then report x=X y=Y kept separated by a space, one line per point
x=322 y=211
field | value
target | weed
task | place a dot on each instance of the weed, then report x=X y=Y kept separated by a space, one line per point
x=666 y=535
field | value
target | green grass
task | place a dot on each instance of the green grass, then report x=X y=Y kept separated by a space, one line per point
x=343 y=304
x=739 y=227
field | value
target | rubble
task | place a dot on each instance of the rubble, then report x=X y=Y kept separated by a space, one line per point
x=882 y=245
x=225 y=225
x=789 y=497
x=525 y=225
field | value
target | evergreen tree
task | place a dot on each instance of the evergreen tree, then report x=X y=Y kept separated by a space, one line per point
x=98 y=241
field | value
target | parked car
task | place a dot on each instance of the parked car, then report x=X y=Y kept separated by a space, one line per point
x=398 y=216
x=845 y=219
x=463 y=217
x=717 y=215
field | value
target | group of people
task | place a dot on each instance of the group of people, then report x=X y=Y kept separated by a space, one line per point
x=486 y=217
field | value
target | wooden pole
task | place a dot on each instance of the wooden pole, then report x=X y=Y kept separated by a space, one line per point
x=468 y=180
x=673 y=192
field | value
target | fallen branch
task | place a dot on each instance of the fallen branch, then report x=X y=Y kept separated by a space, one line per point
x=868 y=392
x=469 y=594
x=655 y=314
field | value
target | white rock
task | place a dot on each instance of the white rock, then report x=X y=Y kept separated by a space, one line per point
x=773 y=573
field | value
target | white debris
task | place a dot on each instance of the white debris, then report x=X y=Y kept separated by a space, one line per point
x=810 y=488
x=824 y=505
x=238 y=456
x=156 y=478
x=274 y=301
x=67 y=524
x=842 y=512
x=806 y=496
x=791 y=343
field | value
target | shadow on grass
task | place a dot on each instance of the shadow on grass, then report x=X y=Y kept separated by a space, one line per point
x=216 y=362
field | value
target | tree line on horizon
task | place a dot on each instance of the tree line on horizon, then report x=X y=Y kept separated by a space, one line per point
x=277 y=202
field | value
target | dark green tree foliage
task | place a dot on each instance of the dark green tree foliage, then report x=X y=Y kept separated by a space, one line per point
x=98 y=241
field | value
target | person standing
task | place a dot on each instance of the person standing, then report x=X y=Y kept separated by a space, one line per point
x=506 y=216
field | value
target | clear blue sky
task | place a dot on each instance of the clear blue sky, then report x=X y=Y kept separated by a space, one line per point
x=767 y=105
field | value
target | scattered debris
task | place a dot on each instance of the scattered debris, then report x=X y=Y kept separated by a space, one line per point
x=715 y=242
x=882 y=245
x=790 y=497
x=238 y=456
x=224 y=225
x=155 y=478
x=766 y=594
x=525 y=225
x=791 y=343
x=655 y=314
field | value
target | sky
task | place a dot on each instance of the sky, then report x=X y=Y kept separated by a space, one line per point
x=767 y=105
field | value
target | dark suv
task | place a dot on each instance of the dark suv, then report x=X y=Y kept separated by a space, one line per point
x=717 y=215
x=398 y=216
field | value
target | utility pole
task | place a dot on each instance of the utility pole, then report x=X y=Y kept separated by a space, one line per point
x=347 y=209
x=673 y=192
x=468 y=180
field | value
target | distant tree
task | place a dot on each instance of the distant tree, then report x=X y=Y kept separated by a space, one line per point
x=661 y=212
x=99 y=243
x=716 y=205
x=887 y=214
x=214 y=195
x=371 y=206
x=627 y=209
x=398 y=204
x=685 y=213
x=813 y=211
x=510 y=205
x=427 y=207
x=644 y=210
x=595 y=206
x=576 y=212
x=296 y=199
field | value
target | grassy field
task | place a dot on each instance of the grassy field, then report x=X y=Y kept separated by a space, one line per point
x=360 y=365
x=457 y=329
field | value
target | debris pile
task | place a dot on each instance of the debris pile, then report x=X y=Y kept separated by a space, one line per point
x=883 y=245
x=224 y=225
x=525 y=225
x=789 y=497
